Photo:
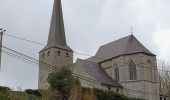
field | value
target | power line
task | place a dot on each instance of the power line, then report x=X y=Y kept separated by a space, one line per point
x=155 y=67
x=24 y=39
x=38 y=43
x=41 y=62
x=81 y=77
x=33 y=59
x=30 y=60
x=138 y=91
x=37 y=62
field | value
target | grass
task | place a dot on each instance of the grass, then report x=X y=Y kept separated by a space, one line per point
x=6 y=94
x=18 y=96
x=25 y=96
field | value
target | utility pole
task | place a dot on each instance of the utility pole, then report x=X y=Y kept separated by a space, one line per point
x=1 y=38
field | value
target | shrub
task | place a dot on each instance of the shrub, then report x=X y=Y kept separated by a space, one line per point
x=33 y=92
x=109 y=95
x=62 y=81
x=4 y=93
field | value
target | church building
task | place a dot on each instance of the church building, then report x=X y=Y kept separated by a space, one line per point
x=124 y=66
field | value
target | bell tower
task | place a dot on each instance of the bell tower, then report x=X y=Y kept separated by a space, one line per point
x=57 y=52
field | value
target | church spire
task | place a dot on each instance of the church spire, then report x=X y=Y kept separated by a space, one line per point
x=56 y=36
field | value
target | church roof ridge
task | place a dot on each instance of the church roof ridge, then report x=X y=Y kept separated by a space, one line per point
x=116 y=40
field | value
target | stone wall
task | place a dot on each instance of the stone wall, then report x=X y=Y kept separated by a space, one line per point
x=89 y=81
x=59 y=58
x=88 y=94
x=146 y=85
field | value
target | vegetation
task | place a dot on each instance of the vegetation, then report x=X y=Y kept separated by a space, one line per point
x=14 y=95
x=109 y=95
x=164 y=78
x=33 y=92
x=64 y=86
x=61 y=83
x=4 y=93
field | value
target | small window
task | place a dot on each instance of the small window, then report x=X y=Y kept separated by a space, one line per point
x=117 y=90
x=43 y=55
x=67 y=54
x=160 y=98
x=48 y=53
x=59 y=53
x=109 y=88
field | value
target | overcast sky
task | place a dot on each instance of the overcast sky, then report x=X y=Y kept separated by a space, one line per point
x=88 y=24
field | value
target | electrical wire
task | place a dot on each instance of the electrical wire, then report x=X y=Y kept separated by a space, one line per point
x=18 y=55
x=10 y=35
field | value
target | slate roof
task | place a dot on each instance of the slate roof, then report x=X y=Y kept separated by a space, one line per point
x=97 y=72
x=56 y=36
x=124 y=46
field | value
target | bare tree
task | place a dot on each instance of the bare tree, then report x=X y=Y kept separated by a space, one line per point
x=164 y=77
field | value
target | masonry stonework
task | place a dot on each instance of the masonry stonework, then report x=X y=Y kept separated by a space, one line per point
x=54 y=58
x=146 y=85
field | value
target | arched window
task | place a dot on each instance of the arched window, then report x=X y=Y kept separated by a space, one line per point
x=116 y=72
x=43 y=55
x=132 y=70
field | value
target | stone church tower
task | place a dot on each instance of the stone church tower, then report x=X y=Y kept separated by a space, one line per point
x=57 y=52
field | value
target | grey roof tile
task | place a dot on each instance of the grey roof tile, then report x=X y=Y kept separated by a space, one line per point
x=124 y=46
x=97 y=72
